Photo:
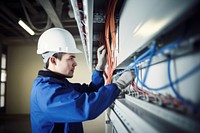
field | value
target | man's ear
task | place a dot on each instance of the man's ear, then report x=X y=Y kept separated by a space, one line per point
x=52 y=60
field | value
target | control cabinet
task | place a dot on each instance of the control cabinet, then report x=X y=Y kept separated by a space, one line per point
x=160 y=42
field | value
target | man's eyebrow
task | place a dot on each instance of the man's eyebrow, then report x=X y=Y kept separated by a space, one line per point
x=72 y=56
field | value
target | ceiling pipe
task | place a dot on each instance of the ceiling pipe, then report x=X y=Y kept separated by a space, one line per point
x=51 y=13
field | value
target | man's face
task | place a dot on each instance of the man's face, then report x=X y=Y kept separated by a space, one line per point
x=66 y=65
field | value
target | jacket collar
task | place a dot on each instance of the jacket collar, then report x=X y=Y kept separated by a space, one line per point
x=49 y=73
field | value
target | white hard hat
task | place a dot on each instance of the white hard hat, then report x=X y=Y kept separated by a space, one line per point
x=57 y=40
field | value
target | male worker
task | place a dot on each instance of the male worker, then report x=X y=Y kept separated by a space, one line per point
x=58 y=105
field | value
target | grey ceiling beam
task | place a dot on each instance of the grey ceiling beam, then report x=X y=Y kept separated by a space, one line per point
x=51 y=13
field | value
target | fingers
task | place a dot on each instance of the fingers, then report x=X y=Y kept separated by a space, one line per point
x=100 y=49
x=103 y=52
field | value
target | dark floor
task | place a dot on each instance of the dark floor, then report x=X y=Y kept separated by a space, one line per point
x=15 y=124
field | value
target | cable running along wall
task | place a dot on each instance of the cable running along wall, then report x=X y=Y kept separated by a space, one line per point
x=108 y=38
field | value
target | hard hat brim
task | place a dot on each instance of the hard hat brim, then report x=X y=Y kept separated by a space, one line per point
x=71 y=51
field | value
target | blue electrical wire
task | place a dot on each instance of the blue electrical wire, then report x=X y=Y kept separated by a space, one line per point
x=129 y=67
x=191 y=72
x=151 y=51
x=144 y=85
x=170 y=46
x=150 y=60
x=185 y=76
x=143 y=57
x=178 y=96
x=171 y=84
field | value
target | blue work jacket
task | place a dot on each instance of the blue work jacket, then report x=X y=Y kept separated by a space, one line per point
x=60 y=106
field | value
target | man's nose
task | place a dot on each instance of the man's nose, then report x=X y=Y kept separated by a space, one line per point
x=74 y=64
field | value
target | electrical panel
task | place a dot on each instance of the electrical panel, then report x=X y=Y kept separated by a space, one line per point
x=160 y=42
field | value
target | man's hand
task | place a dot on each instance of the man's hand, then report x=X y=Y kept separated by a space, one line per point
x=125 y=79
x=101 y=55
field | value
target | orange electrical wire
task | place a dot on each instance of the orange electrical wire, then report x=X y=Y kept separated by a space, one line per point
x=108 y=38
x=110 y=33
x=113 y=36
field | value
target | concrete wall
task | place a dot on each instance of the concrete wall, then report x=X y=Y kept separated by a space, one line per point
x=22 y=67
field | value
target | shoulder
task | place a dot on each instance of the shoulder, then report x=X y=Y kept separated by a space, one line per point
x=48 y=82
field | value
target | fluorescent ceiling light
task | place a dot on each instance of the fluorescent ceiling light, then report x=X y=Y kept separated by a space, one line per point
x=23 y=25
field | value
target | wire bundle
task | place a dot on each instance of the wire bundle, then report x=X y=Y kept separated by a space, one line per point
x=48 y=23
x=109 y=39
x=148 y=55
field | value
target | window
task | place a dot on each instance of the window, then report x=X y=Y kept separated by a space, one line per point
x=3 y=79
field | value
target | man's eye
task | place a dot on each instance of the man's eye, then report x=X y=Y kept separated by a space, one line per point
x=71 y=59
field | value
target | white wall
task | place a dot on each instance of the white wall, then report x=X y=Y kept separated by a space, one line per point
x=22 y=67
